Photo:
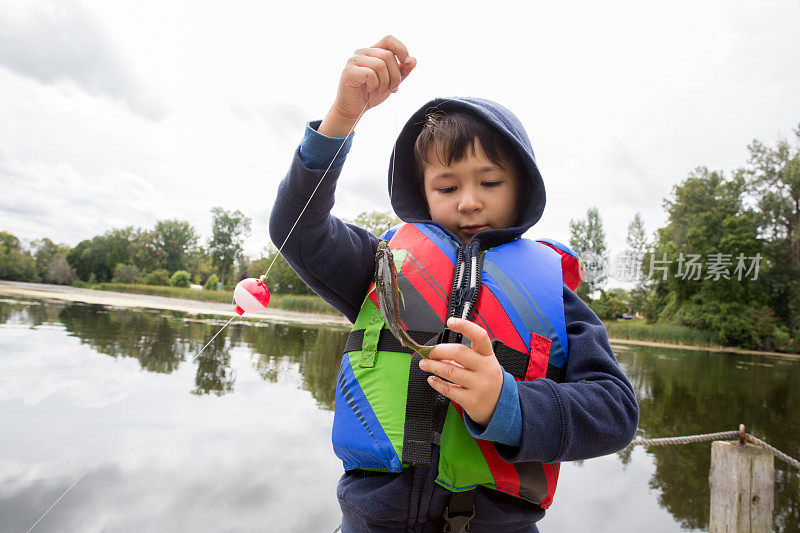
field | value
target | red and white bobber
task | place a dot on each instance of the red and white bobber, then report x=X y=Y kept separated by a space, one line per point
x=251 y=296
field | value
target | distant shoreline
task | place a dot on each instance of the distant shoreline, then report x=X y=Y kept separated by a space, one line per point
x=196 y=307
x=118 y=299
x=702 y=348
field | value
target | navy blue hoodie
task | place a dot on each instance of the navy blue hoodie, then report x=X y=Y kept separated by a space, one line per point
x=592 y=412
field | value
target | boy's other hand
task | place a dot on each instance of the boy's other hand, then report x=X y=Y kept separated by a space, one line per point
x=371 y=75
x=475 y=381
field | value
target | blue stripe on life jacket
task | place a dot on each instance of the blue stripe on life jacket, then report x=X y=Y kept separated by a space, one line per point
x=542 y=312
x=358 y=438
x=563 y=247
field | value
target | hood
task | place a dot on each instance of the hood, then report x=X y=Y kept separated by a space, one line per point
x=409 y=202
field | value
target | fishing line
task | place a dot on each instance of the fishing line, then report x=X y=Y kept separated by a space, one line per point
x=214 y=337
x=59 y=499
x=295 y=222
x=317 y=187
x=394 y=154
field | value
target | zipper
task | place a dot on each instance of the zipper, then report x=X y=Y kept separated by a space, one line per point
x=463 y=297
x=466 y=283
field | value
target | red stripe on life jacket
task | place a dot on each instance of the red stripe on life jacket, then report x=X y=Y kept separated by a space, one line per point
x=551 y=474
x=434 y=282
x=506 y=478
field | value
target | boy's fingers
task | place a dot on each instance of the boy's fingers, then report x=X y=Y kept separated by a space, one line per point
x=406 y=68
x=407 y=62
x=447 y=371
x=454 y=392
x=363 y=59
x=365 y=76
x=390 y=63
x=390 y=42
x=454 y=352
x=481 y=342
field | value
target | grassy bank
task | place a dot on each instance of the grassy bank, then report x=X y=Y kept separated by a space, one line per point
x=638 y=329
x=306 y=304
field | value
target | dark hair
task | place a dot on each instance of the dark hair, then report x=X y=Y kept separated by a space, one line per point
x=453 y=134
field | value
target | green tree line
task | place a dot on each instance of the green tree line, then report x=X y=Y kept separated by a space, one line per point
x=168 y=254
x=727 y=261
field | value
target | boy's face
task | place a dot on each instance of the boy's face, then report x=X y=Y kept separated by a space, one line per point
x=471 y=195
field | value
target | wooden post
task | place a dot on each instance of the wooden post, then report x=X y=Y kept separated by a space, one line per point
x=741 y=480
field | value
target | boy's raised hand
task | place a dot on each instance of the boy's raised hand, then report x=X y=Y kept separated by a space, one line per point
x=476 y=386
x=371 y=75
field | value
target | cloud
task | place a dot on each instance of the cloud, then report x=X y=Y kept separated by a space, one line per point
x=59 y=202
x=58 y=42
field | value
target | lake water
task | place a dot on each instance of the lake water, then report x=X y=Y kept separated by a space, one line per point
x=109 y=400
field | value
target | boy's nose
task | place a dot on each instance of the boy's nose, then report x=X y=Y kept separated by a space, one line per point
x=469 y=201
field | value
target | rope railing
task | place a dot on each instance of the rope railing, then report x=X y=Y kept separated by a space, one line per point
x=707 y=437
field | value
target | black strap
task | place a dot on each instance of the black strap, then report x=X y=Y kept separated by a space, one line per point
x=513 y=361
x=426 y=409
x=459 y=511
x=418 y=431
x=386 y=342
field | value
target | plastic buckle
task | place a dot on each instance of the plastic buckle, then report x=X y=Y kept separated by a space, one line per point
x=440 y=337
x=457 y=523
x=447 y=335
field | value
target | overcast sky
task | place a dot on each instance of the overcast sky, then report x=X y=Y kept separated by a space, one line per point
x=117 y=114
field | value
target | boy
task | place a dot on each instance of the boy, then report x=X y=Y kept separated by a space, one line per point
x=469 y=439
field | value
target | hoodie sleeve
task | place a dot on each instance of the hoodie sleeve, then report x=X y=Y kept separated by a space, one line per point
x=593 y=412
x=335 y=259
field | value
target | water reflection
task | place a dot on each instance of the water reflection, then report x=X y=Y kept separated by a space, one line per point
x=317 y=351
x=680 y=392
x=159 y=341
x=163 y=341
x=688 y=392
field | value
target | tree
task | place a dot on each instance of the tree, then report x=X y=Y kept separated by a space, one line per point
x=60 y=272
x=709 y=224
x=636 y=238
x=176 y=239
x=588 y=239
x=100 y=255
x=9 y=241
x=376 y=222
x=611 y=304
x=706 y=215
x=46 y=252
x=774 y=183
x=636 y=241
x=16 y=263
x=126 y=273
x=282 y=279
x=227 y=237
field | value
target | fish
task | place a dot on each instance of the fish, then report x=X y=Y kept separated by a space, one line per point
x=389 y=295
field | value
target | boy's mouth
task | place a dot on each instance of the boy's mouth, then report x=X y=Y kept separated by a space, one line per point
x=472 y=230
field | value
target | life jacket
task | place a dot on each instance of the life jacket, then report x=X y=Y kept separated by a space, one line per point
x=388 y=418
